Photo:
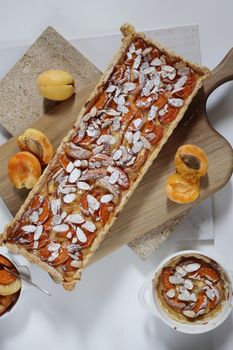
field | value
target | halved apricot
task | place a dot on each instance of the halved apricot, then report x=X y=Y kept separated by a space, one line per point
x=165 y=274
x=188 y=87
x=192 y=160
x=180 y=191
x=24 y=170
x=168 y=117
x=36 y=142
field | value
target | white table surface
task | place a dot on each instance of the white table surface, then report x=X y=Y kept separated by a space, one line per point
x=103 y=312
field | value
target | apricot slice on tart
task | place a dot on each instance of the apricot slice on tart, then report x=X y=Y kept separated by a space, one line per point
x=24 y=170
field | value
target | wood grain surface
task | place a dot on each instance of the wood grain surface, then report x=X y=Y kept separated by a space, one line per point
x=149 y=207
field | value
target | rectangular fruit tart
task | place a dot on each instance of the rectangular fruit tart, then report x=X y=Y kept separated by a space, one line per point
x=127 y=119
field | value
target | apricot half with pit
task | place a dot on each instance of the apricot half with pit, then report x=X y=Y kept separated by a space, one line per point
x=24 y=170
x=55 y=84
x=34 y=141
x=191 y=160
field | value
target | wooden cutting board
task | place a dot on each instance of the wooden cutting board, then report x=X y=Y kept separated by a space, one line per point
x=149 y=207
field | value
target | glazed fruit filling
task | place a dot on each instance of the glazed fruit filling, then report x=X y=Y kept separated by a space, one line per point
x=103 y=156
x=192 y=287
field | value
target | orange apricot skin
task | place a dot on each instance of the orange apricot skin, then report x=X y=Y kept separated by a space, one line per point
x=24 y=170
x=180 y=191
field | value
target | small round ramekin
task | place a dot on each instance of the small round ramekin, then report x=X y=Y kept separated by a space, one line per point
x=148 y=300
x=21 y=269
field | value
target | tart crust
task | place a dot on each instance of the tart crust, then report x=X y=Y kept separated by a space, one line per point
x=129 y=35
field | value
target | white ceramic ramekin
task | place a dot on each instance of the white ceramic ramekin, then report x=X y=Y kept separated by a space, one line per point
x=24 y=286
x=148 y=300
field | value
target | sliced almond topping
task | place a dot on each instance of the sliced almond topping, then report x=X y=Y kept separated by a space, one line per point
x=81 y=235
x=114 y=177
x=52 y=247
x=70 y=167
x=137 y=62
x=192 y=267
x=55 y=205
x=156 y=62
x=106 y=139
x=56 y=220
x=137 y=122
x=89 y=226
x=111 y=88
x=61 y=228
x=83 y=185
x=74 y=240
x=38 y=232
x=152 y=112
x=137 y=147
x=74 y=175
x=136 y=136
x=176 y=102
x=189 y=313
x=188 y=284
x=176 y=279
x=106 y=198
x=29 y=228
x=76 y=264
x=69 y=198
x=171 y=293
x=93 y=203
x=117 y=154
x=75 y=218
x=34 y=217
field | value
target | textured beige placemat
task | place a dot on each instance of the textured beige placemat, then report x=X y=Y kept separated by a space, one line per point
x=20 y=103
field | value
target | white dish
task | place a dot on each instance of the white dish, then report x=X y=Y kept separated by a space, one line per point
x=148 y=300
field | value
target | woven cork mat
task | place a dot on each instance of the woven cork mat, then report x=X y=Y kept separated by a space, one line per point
x=49 y=51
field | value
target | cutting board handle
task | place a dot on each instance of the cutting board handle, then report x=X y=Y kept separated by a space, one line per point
x=220 y=74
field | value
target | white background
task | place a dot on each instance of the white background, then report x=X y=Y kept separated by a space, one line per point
x=104 y=313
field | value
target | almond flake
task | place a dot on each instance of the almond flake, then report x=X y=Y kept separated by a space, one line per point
x=129 y=87
x=152 y=112
x=68 y=189
x=193 y=297
x=176 y=102
x=163 y=110
x=137 y=62
x=122 y=109
x=156 y=62
x=171 y=293
x=53 y=256
x=137 y=147
x=76 y=264
x=89 y=226
x=117 y=154
x=184 y=295
x=93 y=203
x=137 y=123
x=38 y=232
x=75 y=218
x=69 y=235
x=192 y=267
x=29 y=228
x=77 y=163
x=148 y=70
x=188 y=284
x=180 y=271
x=180 y=83
x=34 y=217
x=145 y=142
x=70 y=167
x=106 y=139
x=176 y=279
x=81 y=235
x=56 y=220
x=61 y=228
x=129 y=136
x=183 y=70
x=168 y=68
x=121 y=100
x=116 y=124
x=189 y=313
x=111 y=88
x=114 y=177
x=74 y=175
x=106 y=198
x=52 y=247
x=69 y=198
x=136 y=136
